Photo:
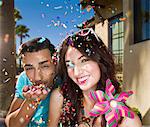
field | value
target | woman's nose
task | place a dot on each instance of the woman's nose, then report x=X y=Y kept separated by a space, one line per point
x=77 y=70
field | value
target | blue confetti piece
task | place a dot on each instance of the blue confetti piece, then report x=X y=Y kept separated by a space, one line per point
x=41 y=40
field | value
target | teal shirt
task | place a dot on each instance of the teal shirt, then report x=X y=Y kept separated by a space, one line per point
x=40 y=117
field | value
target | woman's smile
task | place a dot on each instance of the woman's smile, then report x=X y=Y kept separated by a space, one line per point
x=82 y=80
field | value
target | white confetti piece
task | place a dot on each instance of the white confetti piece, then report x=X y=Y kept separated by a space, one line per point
x=58 y=7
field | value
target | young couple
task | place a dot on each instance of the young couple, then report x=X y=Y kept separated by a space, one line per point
x=84 y=66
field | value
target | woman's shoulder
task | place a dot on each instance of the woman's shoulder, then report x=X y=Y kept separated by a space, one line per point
x=56 y=100
x=134 y=122
x=57 y=94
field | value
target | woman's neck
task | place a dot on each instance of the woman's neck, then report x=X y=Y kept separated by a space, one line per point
x=87 y=104
x=87 y=92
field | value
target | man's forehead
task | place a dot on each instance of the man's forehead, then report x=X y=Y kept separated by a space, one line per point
x=37 y=57
x=37 y=63
x=39 y=51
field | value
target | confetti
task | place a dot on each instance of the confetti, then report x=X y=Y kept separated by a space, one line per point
x=131 y=51
x=58 y=7
x=42 y=2
x=75 y=26
x=79 y=16
x=21 y=120
x=65 y=13
x=113 y=11
x=43 y=15
x=66 y=22
x=76 y=5
x=41 y=40
x=28 y=108
x=6 y=73
x=64 y=25
x=88 y=8
x=3 y=69
x=5 y=81
x=77 y=9
x=49 y=25
x=47 y=5
x=27 y=116
x=1 y=3
x=4 y=60
x=12 y=53
x=66 y=7
x=58 y=17
x=65 y=2
x=40 y=121
x=122 y=19
x=71 y=7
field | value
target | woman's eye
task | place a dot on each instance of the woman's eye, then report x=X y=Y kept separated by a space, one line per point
x=67 y=65
x=70 y=65
x=84 y=60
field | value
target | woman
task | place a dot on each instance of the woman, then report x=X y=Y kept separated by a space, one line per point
x=84 y=65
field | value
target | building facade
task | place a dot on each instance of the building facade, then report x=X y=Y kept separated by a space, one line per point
x=126 y=32
x=137 y=54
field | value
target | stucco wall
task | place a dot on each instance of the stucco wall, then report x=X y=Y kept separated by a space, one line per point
x=136 y=69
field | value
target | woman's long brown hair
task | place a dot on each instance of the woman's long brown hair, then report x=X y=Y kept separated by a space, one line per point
x=97 y=52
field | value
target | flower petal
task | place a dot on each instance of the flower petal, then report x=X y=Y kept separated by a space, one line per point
x=111 y=119
x=109 y=87
x=110 y=90
x=97 y=96
x=99 y=108
x=125 y=112
x=123 y=96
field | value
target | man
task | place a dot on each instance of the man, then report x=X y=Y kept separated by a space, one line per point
x=30 y=104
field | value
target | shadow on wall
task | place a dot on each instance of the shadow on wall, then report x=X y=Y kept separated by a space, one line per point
x=146 y=118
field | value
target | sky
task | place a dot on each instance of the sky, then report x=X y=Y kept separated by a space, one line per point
x=53 y=19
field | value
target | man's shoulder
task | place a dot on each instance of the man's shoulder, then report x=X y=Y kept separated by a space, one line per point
x=23 y=75
x=21 y=82
x=23 y=79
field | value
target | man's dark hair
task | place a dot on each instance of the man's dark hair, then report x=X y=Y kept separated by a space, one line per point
x=35 y=45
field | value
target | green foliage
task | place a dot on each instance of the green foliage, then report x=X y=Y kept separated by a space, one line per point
x=21 y=31
x=17 y=15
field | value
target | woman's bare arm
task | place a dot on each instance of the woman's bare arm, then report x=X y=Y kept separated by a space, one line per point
x=128 y=122
x=55 y=109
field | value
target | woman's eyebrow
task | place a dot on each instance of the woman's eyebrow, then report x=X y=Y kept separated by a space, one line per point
x=81 y=57
x=67 y=61
x=78 y=58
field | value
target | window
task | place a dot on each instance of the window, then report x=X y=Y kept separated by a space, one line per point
x=117 y=44
x=116 y=33
x=141 y=20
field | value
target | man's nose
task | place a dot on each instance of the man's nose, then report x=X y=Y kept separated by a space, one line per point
x=37 y=75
